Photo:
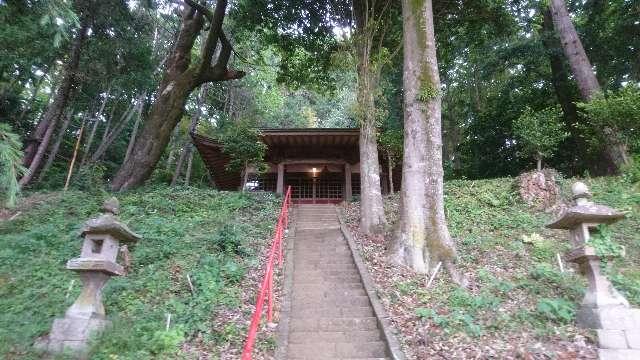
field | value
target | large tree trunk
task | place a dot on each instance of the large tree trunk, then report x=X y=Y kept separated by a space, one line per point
x=562 y=88
x=60 y=101
x=134 y=131
x=39 y=155
x=423 y=237
x=117 y=130
x=372 y=219
x=94 y=128
x=187 y=148
x=56 y=146
x=587 y=82
x=180 y=78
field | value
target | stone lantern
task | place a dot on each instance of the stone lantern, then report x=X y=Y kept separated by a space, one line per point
x=603 y=307
x=96 y=264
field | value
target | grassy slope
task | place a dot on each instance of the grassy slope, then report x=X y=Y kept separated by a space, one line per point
x=210 y=235
x=519 y=302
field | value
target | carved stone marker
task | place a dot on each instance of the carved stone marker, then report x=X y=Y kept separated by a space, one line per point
x=96 y=264
x=603 y=307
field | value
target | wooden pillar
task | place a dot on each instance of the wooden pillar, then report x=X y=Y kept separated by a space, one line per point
x=280 y=183
x=347 y=182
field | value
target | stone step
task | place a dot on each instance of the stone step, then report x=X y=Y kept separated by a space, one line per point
x=337 y=350
x=333 y=324
x=322 y=267
x=327 y=254
x=324 y=262
x=328 y=272
x=324 y=250
x=313 y=312
x=317 y=292
x=306 y=337
x=617 y=354
x=299 y=303
x=338 y=287
x=321 y=281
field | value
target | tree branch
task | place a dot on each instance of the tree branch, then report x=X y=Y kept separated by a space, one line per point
x=215 y=32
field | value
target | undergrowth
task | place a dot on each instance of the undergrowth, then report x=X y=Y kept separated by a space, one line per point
x=512 y=259
x=206 y=236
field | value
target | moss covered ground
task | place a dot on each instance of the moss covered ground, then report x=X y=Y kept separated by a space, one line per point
x=212 y=238
x=519 y=302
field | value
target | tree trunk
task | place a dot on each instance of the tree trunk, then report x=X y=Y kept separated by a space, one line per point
x=245 y=176
x=390 y=169
x=538 y=162
x=423 y=237
x=34 y=93
x=94 y=128
x=134 y=131
x=587 y=81
x=56 y=146
x=37 y=158
x=187 y=148
x=372 y=219
x=187 y=175
x=117 y=130
x=60 y=101
x=180 y=78
x=561 y=83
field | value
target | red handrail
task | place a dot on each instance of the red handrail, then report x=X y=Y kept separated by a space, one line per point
x=266 y=289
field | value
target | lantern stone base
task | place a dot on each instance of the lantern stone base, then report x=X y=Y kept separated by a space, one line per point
x=71 y=335
x=618 y=330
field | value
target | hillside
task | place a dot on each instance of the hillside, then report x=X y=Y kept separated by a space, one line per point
x=519 y=304
x=212 y=237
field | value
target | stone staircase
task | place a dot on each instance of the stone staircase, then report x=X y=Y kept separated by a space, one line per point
x=331 y=316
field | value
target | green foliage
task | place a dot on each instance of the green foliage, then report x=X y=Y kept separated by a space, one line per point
x=180 y=229
x=631 y=172
x=540 y=132
x=557 y=310
x=427 y=92
x=601 y=240
x=241 y=141
x=229 y=239
x=617 y=110
x=10 y=165
x=392 y=141
x=90 y=178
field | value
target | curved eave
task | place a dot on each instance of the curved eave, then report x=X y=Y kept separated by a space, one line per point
x=216 y=162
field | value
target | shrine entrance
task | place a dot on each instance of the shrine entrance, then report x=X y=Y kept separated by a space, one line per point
x=321 y=165
x=323 y=188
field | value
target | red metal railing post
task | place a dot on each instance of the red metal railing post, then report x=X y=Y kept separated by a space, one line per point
x=266 y=287
x=270 y=302
x=280 y=235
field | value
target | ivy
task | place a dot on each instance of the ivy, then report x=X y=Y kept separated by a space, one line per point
x=603 y=243
x=428 y=92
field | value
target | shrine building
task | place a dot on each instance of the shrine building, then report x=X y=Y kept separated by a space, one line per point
x=320 y=165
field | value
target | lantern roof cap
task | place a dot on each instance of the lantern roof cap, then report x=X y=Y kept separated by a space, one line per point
x=584 y=211
x=108 y=223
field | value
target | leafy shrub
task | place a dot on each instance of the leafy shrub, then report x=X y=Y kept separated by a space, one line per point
x=229 y=239
x=619 y=111
x=540 y=132
x=631 y=172
x=10 y=165
x=601 y=240
x=90 y=178
x=548 y=277
x=558 y=310
x=166 y=341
